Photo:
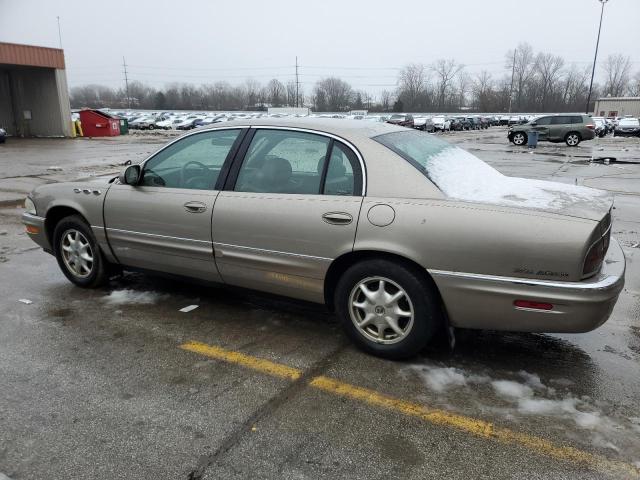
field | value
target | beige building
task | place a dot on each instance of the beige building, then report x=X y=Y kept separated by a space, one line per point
x=34 y=97
x=617 y=107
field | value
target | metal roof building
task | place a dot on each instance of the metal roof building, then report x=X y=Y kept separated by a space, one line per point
x=617 y=107
x=34 y=97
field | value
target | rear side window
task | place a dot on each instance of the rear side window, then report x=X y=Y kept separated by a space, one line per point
x=340 y=178
x=577 y=119
x=561 y=120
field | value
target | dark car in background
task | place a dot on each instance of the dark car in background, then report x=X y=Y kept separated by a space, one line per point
x=571 y=129
x=3 y=135
x=627 y=127
x=474 y=123
x=457 y=124
x=402 y=119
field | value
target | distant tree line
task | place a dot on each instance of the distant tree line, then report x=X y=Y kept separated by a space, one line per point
x=532 y=82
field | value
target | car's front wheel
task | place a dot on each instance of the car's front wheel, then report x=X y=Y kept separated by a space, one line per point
x=572 y=139
x=78 y=253
x=519 y=138
x=388 y=309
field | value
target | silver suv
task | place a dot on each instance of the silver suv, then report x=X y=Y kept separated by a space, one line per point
x=571 y=129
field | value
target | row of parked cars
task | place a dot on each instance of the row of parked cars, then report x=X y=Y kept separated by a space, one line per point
x=443 y=123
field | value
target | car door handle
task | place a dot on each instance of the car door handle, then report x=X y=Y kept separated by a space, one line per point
x=337 y=218
x=195 y=207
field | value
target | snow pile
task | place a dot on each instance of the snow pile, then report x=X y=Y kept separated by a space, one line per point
x=525 y=395
x=132 y=297
x=463 y=176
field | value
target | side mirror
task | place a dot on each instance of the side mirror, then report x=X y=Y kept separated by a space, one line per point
x=130 y=175
x=533 y=124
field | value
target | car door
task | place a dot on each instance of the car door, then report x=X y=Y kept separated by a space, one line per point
x=164 y=222
x=542 y=127
x=290 y=206
x=559 y=128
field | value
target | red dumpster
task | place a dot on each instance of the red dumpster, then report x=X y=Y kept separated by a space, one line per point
x=99 y=124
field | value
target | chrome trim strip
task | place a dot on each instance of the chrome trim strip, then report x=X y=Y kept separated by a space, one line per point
x=153 y=235
x=240 y=127
x=275 y=252
x=606 y=282
x=32 y=217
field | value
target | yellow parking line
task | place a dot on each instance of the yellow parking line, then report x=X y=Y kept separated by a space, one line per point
x=477 y=427
x=254 y=363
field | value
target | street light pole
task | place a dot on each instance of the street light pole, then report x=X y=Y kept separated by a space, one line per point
x=595 y=57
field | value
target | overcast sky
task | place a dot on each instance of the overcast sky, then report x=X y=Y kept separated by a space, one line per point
x=363 y=41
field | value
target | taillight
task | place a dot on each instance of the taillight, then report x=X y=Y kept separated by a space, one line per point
x=590 y=126
x=595 y=256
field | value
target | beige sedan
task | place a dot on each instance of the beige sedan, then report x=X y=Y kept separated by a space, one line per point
x=397 y=231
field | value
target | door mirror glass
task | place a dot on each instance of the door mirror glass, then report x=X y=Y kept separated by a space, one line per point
x=130 y=175
x=533 y=124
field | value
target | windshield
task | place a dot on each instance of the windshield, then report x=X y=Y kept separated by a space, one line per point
x=397 y=117
x=629 y=122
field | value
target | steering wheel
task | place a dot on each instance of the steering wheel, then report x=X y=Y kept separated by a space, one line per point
x=183 y=173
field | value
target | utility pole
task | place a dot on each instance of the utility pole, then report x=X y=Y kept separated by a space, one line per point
x=513 y=71
x=59 y=33
x=297 y=83
x=126 y=82
x=593 y=70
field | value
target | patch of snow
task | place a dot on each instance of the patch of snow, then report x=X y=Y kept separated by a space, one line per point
x=441 y=379
x=133 y=297
x=463 y=176
x=507 y=388
x=26 y=301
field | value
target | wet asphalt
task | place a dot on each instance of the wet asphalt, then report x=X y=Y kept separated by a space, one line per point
x=93 y=383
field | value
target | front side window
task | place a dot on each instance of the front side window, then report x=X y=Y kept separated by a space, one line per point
x=543 y=121
x=193 y=162
x=282 y=161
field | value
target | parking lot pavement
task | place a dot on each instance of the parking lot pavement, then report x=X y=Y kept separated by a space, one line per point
x=118 y=383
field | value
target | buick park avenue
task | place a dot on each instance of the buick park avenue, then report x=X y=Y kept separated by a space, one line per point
x=396 y=231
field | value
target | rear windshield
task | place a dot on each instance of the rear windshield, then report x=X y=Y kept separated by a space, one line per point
x=461 y=175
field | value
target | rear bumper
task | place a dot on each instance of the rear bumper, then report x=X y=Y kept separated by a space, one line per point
x=487 y=302
x=35 y=230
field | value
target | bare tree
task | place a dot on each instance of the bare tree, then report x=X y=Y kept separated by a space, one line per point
x=548 y=68
x=482 y=91
x=333 y=94
x=445 y=72
x=634 y=85
x=464 y=85
x=276 y=92
x=386 y=100
x=522 y=70
x=412 y=81
x=617 y=70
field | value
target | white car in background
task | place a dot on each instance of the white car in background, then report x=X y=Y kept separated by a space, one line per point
x=442 y=123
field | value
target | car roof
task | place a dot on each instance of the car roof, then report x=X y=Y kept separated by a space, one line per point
x=348 y=129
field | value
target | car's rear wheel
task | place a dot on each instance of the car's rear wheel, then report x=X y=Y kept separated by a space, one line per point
x=572 y=139
x=519 y=138
x=388 y=309
x=78 y=253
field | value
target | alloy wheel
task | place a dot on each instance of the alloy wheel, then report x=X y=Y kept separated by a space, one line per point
x=518 y=139
x=381 y=310
x=573 y=140
x=77 y=253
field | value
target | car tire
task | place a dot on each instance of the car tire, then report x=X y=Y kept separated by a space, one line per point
x=519 y=138
x=151 y=127
x=72 y=237
x=387 y=333
x=572 y=139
